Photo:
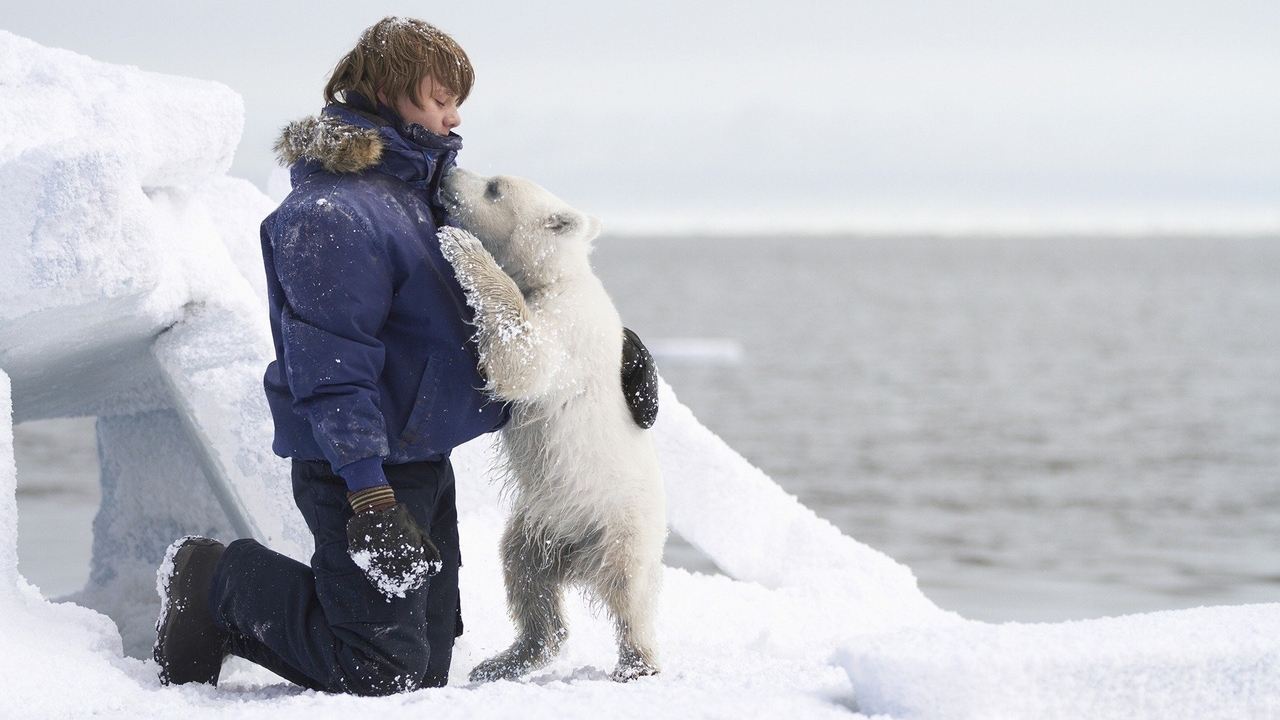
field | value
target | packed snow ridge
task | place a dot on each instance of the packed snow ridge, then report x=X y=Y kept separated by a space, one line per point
x=131 y=291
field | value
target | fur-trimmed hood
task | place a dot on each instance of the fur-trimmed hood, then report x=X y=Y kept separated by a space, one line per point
x=339 y=147
x=346 y=138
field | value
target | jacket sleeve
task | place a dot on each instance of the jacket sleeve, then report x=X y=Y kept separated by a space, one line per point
x=338 y=285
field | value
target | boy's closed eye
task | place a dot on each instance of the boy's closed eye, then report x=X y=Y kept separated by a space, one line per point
x=438 y=111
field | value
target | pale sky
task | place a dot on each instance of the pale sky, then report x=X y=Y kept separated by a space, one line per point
x=751 y=115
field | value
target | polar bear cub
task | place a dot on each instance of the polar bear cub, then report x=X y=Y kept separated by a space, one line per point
x=588 y=502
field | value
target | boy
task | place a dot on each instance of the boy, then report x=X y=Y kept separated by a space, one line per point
x=375 y=382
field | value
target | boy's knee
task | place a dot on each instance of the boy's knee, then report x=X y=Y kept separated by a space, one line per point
x=388 y=670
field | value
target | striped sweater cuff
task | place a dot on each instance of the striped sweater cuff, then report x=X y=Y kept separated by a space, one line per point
x=372 y=499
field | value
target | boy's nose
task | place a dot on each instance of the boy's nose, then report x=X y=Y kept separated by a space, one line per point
x=452 y=120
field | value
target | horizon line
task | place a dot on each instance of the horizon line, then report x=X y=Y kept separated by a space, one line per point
x=716 y=227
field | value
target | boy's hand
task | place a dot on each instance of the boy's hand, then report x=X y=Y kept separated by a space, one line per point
x=392 y=550
x=639 y=380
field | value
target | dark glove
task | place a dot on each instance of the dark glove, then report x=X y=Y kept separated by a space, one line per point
x=639 y=380
x=391 y=549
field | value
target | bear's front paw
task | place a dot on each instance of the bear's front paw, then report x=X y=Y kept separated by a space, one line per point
x=457 y=245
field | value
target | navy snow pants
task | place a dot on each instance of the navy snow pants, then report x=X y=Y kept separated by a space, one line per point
x=325 y=626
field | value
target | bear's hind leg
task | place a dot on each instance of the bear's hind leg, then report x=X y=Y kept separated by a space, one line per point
x=534 y=581
x=630 y=592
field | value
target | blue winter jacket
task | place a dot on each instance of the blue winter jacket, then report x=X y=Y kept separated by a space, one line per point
x=374 y=360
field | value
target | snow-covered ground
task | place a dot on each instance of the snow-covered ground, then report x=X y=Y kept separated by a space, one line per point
x=131 y=292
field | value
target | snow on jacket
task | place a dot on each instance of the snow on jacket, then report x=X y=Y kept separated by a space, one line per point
x=374 y=359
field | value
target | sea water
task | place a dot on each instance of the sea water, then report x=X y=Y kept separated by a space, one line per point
x=1043 y=428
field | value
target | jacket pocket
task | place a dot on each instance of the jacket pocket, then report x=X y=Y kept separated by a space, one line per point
x=418 y=425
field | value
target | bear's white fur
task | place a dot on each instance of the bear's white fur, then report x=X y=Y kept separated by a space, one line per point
x=588 y=501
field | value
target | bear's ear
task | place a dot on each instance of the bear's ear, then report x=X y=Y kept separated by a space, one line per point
x=559 y=222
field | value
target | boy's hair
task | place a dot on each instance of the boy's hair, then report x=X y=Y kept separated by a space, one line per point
x=393 y=55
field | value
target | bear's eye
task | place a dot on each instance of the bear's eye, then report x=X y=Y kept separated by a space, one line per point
x=493 y=190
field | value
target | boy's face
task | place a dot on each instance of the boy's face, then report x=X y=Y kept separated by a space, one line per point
x=439 y=111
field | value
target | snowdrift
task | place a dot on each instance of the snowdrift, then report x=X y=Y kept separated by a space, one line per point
x=131 y=292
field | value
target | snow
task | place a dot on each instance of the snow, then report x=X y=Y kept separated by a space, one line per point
x=1205 y=663
x=131 y=292
x=164 y=130
x=393 y=586
x=153 y=492
x=114 y=209
x=164 y=575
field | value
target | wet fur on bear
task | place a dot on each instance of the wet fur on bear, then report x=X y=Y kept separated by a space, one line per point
x=588 y=507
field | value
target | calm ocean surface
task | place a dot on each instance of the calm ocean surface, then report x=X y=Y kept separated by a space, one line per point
x=1042 y=428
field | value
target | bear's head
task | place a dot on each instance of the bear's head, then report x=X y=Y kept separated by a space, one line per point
x=535 y=236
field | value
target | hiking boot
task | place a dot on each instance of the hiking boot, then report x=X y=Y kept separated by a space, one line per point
x=189 y=646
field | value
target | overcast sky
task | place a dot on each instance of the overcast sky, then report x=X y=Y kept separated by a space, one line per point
x=933 y=113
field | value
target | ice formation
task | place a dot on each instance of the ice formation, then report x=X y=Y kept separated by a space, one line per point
x=131 y=292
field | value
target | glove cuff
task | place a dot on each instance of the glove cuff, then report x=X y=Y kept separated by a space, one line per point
x=374 y=499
